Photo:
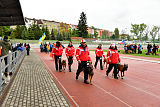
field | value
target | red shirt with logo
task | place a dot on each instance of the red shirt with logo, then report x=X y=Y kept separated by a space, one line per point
x=70 y=51
x=113 y=56
x=83 y=54
x=99 y=52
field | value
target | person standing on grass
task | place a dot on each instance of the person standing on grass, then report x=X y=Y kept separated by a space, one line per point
x=135 y=48
x=70 y=50
x=99 y=54
x=28 y=49
x=154 y=49
x=113 y=60
x=157 y=48
x=83 y=58
x=57 y=53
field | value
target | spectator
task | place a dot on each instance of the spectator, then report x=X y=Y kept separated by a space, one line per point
x=135 y=48
x=157 y=47
x=28 y=49
x=5 y=47
x=154 y=49
x=20 y=48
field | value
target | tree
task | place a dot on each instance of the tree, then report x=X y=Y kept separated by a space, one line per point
x=105 y=34
x=113 y=36
x=135 y=29
x=154 y=32
x=18 y=32
x=95 y=33
x=74 y=33
x=146 y=34
x=47 y=33
x=82 y=26
x=31 y=34
x=52 y=35
x=116 y=32
x=25 y=33
x=142 y=28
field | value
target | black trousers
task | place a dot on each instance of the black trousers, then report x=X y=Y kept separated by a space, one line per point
x=98 y=58
x=70 y=61
x=56 y=62
x=81 y=65
x=115 y=69
x=5 y=61
x=27 y=51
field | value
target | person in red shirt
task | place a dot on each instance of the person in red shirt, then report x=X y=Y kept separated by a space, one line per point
x=57 y=53
x=70 y=54
x=157 y=47
x=83 y=58
x=113 y=60
x=99 y=54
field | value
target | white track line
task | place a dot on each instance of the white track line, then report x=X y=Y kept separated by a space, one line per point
x=60 y=84
x=110 y=94
x=137 y=88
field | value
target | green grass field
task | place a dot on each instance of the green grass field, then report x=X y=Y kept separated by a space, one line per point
x=143 y=54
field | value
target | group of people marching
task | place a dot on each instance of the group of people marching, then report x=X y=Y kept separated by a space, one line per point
x=82 y=54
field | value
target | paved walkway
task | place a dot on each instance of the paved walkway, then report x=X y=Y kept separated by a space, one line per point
x=33 y=86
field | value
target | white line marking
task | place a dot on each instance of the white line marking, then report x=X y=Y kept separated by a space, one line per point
x=138 y=89
x=110 y=94
x=61 y=84
x=153 y=61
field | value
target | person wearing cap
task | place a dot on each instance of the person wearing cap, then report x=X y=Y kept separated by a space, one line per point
x=83 y=58
x=113 y=60
x=5 y=47
x=99 y=54
x=70 y=54
x=57 y=53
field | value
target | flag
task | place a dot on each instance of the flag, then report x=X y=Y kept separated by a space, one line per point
x=42 y=38
x=123 y=41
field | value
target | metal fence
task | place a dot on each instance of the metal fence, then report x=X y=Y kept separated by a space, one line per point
x=13 y=60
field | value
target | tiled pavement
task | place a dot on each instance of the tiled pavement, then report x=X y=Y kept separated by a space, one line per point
x=33 y=86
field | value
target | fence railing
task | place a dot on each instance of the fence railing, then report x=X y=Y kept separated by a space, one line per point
x=10 y=63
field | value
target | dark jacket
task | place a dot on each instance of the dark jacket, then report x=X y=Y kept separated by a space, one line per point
x=5 y=47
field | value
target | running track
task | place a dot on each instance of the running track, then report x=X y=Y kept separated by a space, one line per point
x=140 y=87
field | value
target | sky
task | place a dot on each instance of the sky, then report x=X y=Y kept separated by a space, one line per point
x=104 y=14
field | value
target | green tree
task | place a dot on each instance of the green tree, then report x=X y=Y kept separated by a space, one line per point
x=82 y=26
x=74 y=33
x=25 y=33
x=18 y=32
x=105 y=34
x=135 y=29
x=52 y=35
x=146 y=34
x=95 y=33
x=47 y=33
x=154 y=32
x=1 y=31
x=31 y=34
x=142 y=28
x=116 y=32
x=113 y=36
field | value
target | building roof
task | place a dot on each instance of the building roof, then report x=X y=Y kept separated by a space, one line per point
x=11 y=13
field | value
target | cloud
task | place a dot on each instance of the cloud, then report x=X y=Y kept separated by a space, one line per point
x=106 y=14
